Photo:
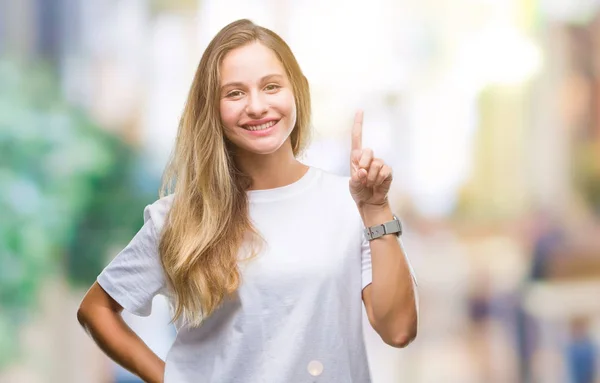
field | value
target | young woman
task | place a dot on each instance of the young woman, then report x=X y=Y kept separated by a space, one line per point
x=266 y=261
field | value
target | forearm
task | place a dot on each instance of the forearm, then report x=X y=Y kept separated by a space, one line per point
x=392 y=292
x=114 y=337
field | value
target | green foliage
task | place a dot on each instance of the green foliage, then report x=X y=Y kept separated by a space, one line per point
x=113 y=216
x=68 y=193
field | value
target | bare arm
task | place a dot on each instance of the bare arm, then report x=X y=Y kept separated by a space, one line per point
x=391 y=299
x=100 y=316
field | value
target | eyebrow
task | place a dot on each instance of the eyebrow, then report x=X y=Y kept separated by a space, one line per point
x=263 y=79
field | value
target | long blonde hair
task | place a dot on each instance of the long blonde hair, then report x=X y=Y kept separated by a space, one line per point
x=208 y=220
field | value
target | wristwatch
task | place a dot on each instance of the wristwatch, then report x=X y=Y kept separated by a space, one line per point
x=391 y=227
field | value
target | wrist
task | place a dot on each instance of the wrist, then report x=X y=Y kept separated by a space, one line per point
x=375 y=214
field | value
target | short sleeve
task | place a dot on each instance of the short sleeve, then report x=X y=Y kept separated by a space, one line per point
x=367 y=274
x=135 y=276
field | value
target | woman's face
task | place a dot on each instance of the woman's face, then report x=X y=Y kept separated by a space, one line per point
x=256 y=100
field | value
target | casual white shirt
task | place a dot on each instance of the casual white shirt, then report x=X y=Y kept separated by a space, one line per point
x=297 y=315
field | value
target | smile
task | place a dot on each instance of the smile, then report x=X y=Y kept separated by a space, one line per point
x=266 y=125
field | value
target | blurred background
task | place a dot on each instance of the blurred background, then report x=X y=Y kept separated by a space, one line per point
x=488 y=111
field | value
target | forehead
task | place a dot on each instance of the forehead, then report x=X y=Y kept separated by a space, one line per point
x=250 y=63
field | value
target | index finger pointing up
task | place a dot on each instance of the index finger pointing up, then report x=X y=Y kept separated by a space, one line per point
x=357 y=131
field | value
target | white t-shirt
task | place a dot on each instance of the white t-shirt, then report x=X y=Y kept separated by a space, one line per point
x=297 y=315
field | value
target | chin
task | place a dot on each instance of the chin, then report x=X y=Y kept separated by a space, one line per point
x=264 y=150
x=263 y=146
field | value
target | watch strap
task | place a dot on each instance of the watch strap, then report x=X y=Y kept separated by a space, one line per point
x=391 y=227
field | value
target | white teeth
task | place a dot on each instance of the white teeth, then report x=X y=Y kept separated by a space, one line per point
x=261 y=127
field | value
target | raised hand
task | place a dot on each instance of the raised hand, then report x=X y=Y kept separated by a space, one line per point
x=371 y=178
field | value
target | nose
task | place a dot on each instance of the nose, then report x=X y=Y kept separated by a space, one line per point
x=257 y=106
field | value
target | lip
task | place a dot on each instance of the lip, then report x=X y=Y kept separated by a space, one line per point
x=262 y=133
x=258 y=122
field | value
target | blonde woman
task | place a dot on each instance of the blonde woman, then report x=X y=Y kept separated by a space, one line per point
x=266 y=261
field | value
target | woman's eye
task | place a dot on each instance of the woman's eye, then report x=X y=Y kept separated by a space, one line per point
x=272 y=87
x=235 y=93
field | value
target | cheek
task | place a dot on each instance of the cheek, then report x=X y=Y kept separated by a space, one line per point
x=229 y=119
x=292 y=107
x=293 y=112
x=287 y=105
x=227 y=112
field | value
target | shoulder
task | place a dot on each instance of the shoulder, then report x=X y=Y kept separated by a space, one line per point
x=335 y=199
x=331 y=176
x=157 y=211
x=336 y=190
x=334 y=182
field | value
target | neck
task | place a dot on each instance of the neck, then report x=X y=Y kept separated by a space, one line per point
x=269 y=171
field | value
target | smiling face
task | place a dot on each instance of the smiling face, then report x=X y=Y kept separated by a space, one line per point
x=257 y=105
